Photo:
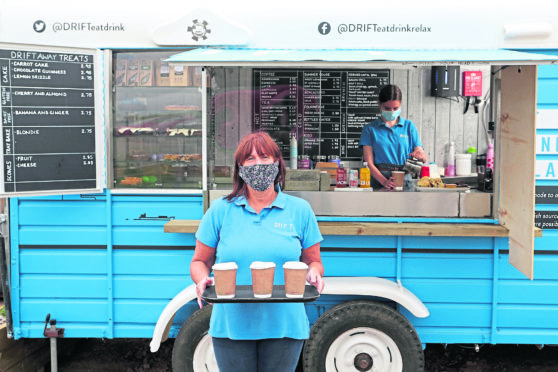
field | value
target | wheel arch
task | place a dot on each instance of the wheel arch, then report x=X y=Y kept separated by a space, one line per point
x=362 y=286
x=376 y=287
x=164 y=323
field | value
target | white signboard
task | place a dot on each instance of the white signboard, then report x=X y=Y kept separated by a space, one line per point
x=547 y=119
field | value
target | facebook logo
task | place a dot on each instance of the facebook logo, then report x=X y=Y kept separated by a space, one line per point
x=324 y=28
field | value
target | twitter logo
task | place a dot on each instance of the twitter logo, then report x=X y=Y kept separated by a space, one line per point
x=39 y=26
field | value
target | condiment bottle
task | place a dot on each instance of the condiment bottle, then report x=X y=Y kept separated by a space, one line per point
x=450 y=171
x=365 y=176
x=341 y=176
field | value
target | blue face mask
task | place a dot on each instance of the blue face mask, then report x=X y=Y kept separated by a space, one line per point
x=391 y=115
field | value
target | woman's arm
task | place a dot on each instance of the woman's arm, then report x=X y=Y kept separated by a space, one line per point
x=368 y=153
x=311 y=256
x=200 y=267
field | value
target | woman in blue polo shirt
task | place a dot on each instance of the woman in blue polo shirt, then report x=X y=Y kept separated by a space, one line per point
x=389 y=140
x=257 y=222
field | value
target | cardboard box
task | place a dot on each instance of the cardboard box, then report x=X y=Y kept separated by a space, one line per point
x=302 y=180
x=162 y=75
x=146 y=73
x=120 y=72
x=132 y=73
x=330 y=168
x=179 y=76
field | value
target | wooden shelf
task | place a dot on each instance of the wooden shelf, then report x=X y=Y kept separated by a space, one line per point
x=381 y=228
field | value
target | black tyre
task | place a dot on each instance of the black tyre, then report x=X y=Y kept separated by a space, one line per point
x=193 y=349
x=363 y=336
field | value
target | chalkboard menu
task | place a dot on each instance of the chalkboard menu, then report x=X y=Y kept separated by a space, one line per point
x=325 y=109
x=48 y=120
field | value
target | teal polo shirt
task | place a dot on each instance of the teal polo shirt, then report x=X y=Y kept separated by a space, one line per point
x=278 y=234
x=390 y=145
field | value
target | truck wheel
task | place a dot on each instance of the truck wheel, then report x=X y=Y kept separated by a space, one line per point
x=363 y=336
x=193 y=349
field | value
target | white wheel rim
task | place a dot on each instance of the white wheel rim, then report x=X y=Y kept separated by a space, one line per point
x=364 y=343
x=204 y=356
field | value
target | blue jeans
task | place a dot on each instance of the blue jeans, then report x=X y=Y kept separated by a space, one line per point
x=268 y=355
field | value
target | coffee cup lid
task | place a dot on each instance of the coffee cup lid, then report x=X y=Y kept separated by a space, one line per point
x=225 y=266
x=295 y=265
x=261 y=265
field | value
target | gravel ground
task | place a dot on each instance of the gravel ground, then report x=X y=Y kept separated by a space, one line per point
x=133 y=355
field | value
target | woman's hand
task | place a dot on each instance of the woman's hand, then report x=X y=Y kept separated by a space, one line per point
x=389 y=183
x=200 y=287
x=419 y=154
x=314 y=278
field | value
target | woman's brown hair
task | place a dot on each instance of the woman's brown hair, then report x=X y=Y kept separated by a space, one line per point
x=264 y=145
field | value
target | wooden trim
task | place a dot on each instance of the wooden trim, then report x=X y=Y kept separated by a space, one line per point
x=378 y=228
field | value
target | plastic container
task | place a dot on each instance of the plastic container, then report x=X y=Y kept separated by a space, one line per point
x=434 y=172
x=341 y=176
x=304 y=162
x=365 y=176
x=293 y=152
x=450 y=169
x=425 y=171
x=335 y=159
x=463 y=164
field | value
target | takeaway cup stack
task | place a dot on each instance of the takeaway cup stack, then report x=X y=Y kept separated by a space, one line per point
x=262 y=278
x=295 y=278
x=225 y=279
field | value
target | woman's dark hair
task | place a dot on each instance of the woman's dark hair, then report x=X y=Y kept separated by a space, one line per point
x=390 y=93
x=264 y=145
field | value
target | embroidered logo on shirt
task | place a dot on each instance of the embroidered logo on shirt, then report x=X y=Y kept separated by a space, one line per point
x=284 y=226
x=404 y=136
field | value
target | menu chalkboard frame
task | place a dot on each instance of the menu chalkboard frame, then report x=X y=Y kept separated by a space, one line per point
x=58 y=56
x=286 y=105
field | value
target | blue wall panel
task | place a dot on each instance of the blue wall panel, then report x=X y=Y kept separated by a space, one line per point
x=63 y=286
x=63 y=261
x=149 y=287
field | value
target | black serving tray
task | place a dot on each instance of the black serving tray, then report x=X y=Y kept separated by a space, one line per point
x=244 y=293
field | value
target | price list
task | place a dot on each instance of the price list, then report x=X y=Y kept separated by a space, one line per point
x=48 y=121
x=325 y=109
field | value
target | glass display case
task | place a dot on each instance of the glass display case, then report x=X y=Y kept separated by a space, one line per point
x=157 y=125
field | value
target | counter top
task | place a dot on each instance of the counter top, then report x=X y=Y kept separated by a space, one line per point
x=381 y=228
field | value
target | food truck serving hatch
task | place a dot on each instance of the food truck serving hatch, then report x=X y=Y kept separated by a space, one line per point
x=513 y=206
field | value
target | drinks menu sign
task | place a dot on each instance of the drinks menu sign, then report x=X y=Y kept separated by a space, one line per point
x=325 y=109
x=48 y=121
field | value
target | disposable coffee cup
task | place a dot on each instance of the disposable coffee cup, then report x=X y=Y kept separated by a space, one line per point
x=398 y=178
x=262 y=278
x=295 y=278
x=225 y=279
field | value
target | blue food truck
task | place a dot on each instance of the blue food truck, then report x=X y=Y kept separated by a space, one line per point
x=119 y=130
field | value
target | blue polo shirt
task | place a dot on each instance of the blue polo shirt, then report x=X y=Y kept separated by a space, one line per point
x=278 y=234
x=390 y=145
